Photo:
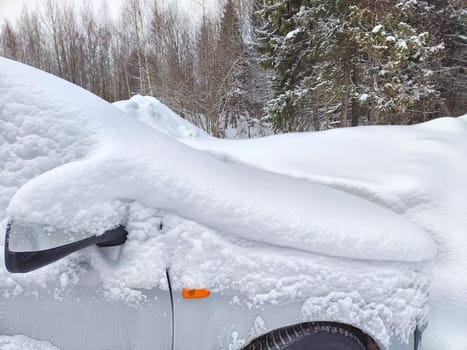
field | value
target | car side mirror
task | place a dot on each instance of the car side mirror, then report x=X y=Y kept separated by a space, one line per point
x=27 y=246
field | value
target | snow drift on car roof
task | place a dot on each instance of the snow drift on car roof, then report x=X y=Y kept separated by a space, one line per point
x=113 y=159
x=418 y=171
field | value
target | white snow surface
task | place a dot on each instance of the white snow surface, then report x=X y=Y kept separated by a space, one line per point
x=77 y=162
x=153 y=113
x=377 y=29
x=416 y=171
x=128 y=161
x=21 y=342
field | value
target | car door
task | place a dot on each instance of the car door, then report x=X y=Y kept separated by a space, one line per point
x=84 y=318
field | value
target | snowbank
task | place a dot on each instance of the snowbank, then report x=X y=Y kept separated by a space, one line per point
x=77 y=162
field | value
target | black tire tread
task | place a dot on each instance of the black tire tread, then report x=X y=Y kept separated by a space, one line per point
x=281 y=338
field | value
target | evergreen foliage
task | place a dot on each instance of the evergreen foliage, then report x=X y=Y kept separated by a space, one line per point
x=351 y=60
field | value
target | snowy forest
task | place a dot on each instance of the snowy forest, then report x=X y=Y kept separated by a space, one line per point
x=260 y=66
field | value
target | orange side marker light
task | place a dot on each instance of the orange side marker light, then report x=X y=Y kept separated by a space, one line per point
x=195 y=293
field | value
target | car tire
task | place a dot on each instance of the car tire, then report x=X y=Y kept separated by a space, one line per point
x=311 y=336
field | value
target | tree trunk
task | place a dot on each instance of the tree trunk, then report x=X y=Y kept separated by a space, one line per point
x=345 y=110
x=356 y=77
x=345 y=98
x=315 y=111
x=355 y=112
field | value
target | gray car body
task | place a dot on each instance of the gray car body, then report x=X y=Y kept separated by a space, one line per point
x=83 y=318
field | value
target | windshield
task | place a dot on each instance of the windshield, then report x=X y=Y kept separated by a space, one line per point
x=28 y=237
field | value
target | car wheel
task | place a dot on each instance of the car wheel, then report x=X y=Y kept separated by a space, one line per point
x=312 y=336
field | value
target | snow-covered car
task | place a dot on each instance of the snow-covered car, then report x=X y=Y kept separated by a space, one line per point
x=199 y=248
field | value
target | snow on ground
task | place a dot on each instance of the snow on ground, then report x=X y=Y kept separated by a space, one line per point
x=271 y=237
x=21 y=342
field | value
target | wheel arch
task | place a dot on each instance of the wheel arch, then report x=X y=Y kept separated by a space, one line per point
x=270 y=339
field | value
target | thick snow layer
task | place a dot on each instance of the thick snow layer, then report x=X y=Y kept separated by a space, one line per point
x=271 y=237
x=387 y=299
x=29 y=148
x=128 y=161
x=285 y=274
x=150 y=111
x=21 y=342
x=416 y=171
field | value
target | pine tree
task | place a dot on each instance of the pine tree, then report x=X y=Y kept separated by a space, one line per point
x=395 y=51
x=283 y=45
x=450 y=23
x=343 y=58
x=231 y=67
x=208 y=76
